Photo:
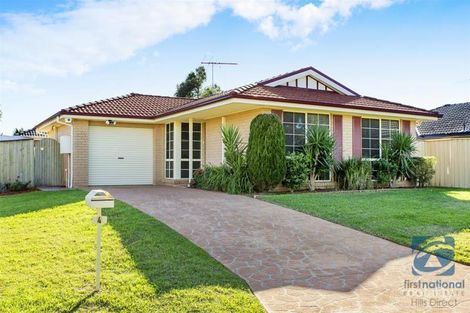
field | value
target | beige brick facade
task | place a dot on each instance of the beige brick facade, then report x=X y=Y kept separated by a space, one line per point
x=159 y=153
x=80 y=153
x=243 y=121
x=347 y=136
x=213 y=151
x=213 y=139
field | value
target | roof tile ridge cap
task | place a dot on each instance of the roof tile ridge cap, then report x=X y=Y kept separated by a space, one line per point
x=159 y=96
x=279 y=76
x=242 y=89
x=81 y=105
x=392 y=102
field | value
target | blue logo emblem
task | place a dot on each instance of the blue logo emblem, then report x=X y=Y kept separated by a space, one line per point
x=439 y=264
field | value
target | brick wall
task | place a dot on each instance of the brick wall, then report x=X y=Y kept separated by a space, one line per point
x=80 y=153
x=347 y=136
x=243 y=121
x=213 y=153
x=159 y=153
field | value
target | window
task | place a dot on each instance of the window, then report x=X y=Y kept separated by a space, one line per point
x=375 y=133
x=389 y=127
x=294 y=131
x=296 y=126
x=169 y=150
x=185 y=152
x=322 y=120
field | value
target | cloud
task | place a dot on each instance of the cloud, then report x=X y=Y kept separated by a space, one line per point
x=90 y=33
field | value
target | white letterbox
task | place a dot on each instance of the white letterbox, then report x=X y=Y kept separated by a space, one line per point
x=99 y=199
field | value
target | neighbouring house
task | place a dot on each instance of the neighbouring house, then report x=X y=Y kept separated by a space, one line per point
x=146 y=139
x=448 y=139
x=32 y=133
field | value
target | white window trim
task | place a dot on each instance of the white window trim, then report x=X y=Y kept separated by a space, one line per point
x=173 y=159
x=380 y=135
x=190 y=159
x=330 y=126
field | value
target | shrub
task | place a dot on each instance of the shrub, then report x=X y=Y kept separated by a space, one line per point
x=385 y=169
x=235 y=159
x=402 y=148
x=15 y=186
x=212 y=177
x=297 y=171
x=319 y=149
x=423 y=169
x=232 y=176
x=354 y=174
x=385 y=172
x=266 y=152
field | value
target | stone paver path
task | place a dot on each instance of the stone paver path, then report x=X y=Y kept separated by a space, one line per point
x=295 y=262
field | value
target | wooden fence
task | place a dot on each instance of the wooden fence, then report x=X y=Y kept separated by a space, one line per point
x=453 y=161
x=38 y=161
x=16 y=161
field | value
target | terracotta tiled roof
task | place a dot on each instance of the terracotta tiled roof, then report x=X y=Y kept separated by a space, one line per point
x=133 y=105
x=141 y=106
x=305 y=96
x=455 y=121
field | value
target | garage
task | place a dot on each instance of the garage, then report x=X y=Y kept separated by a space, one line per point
x=120 y=156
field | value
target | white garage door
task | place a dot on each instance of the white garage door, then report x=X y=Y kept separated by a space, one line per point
x=120 y=156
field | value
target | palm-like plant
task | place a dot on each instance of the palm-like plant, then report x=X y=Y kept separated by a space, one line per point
x=402 y=148
x=235 y=159
x=319 y=149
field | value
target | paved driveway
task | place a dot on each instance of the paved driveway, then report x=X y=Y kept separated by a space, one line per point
x=292 y=261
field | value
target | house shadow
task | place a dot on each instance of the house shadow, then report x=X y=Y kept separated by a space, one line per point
x=168 y=260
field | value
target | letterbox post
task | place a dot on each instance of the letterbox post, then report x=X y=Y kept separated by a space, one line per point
x=98 y=249
x=99 y=199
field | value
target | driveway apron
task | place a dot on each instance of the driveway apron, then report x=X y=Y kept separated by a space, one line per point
x=295 y=262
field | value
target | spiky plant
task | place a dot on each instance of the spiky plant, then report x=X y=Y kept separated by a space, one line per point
x=402 y=148
x=319 y=149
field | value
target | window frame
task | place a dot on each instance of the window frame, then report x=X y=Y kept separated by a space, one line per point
x=306 y=127
x=190 y=152
x=172 y=160
x=380 y=135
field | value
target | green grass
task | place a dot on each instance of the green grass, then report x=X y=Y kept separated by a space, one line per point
x=396 y=215
x=47 y=246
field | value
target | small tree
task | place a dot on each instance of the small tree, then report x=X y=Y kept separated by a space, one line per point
x=211 y=90
x=191 y=87
x=319 y=149
x=402 y=148
x=238 y=180
x=266 y=152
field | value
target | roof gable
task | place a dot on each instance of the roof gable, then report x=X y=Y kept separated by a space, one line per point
x=310 y=78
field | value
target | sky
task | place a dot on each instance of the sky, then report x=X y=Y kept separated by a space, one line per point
x=55 y=54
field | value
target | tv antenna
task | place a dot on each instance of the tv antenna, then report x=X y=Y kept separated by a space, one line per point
x=216 y=63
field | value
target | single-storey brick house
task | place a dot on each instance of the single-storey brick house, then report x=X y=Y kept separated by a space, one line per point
x=145 y=139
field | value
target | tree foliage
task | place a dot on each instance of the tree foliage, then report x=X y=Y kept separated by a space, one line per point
x=319 y=149
x=192 y=86
x=354 y=174
x=402 y=148
x=18 y=132
x=297 y=171
x=266 y=152
x=210 y=90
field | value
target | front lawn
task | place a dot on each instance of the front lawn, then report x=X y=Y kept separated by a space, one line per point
x=396 y=215
x=47 y=246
